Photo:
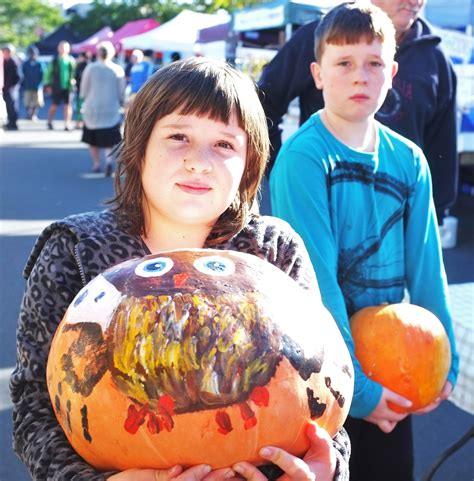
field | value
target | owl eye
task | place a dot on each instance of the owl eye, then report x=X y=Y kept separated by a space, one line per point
x=215 y=266
x=154 y=267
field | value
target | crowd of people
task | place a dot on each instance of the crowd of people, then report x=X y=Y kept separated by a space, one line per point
x=355 y=222
x=97 y=107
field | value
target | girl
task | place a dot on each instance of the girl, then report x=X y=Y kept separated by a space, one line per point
x=194 y=150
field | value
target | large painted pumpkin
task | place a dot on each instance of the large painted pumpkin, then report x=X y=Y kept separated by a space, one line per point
x=195 y=356
x=405 y=348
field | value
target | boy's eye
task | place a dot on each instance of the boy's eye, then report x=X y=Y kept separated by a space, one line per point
x=344 y=63
x=375 y=63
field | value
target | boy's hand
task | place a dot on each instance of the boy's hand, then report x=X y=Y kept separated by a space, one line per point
x=319 y=462
x=447 y=390
x=384 y=417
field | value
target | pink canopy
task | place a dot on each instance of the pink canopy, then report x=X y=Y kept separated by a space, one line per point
x=89 y=44
x=132 y=28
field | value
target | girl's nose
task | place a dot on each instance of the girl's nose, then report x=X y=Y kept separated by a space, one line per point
x=198 y=162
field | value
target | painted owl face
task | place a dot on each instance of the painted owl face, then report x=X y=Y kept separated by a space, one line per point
x=201 y=270
x=195 y=331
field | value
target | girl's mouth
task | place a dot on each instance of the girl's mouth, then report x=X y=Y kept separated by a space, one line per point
x=195 y=189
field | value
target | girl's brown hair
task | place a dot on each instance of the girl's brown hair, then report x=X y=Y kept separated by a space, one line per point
x=202 y=87
x=351 y=22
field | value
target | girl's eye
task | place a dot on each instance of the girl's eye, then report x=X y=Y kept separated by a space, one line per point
x=215 y=266
x=179 y=137
x=156 y=267
x=225 y=145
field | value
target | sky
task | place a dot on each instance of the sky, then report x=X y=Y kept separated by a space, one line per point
x=66 y=3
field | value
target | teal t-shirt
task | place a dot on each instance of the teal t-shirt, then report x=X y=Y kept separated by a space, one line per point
x=369 y=224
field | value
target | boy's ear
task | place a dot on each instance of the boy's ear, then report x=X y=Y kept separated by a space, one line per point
x=316 y=73
x=394 y=68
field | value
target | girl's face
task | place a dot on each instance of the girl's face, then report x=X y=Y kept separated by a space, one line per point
x=192 y=170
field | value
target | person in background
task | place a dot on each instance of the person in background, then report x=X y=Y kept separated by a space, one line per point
x=81 y=64
x=102 y=90
x=421 y=105
x=32 y=83
x=11 y=79
x=140 y=71
x=175 y=56
x=3 y=107
x=360 y=196
x=59 y=81
x=194 y=151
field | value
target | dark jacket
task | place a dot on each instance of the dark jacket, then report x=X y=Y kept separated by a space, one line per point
x=66 y=256
x=421 y=105
x=10 y=74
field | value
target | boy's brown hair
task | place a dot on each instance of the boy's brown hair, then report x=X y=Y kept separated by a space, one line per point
x=205 y=88
x=351 y=22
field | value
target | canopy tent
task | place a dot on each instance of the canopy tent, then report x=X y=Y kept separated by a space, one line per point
x=215 y=33
x=178 y=34
x=48 y=45
x=279 y=13
x=90 y=44
x=132 y=28
x=213 y=41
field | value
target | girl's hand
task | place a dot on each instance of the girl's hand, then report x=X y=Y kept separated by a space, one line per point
x=447 y=390
x=196 y=473
x=319 y=462
x=384 y=417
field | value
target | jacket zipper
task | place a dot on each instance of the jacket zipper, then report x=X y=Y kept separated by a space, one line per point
x=79 y=264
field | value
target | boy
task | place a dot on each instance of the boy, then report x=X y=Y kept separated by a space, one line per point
x=360 y=197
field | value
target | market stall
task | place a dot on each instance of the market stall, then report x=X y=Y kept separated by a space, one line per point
x=178 y=34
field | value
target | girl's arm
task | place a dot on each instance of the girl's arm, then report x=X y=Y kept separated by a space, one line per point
x=38 y=439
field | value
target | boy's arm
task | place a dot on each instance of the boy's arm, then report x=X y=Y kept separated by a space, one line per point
x=425 y=274
x=299 y=194
x=284 y=79
x=38 y=439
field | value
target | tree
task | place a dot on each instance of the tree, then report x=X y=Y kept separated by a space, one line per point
x=23 y=21
x=115 y=13
x=212 y=6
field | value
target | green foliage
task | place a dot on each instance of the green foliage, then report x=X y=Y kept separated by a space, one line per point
x=23 y=21
x=115 y=13
x=212 y=6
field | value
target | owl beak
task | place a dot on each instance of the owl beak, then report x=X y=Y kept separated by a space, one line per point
x=180 y=279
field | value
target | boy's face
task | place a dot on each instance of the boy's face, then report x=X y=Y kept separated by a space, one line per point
x=354 y=78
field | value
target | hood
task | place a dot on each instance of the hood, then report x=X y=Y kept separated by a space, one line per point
x=420 y=32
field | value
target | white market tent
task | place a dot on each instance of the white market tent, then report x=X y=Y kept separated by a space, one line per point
x=179 y=34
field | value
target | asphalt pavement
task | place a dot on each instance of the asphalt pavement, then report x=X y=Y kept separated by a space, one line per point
x=45 y=175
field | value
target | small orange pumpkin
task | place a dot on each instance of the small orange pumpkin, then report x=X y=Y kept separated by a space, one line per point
x=405 y=348
x=195 y=356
